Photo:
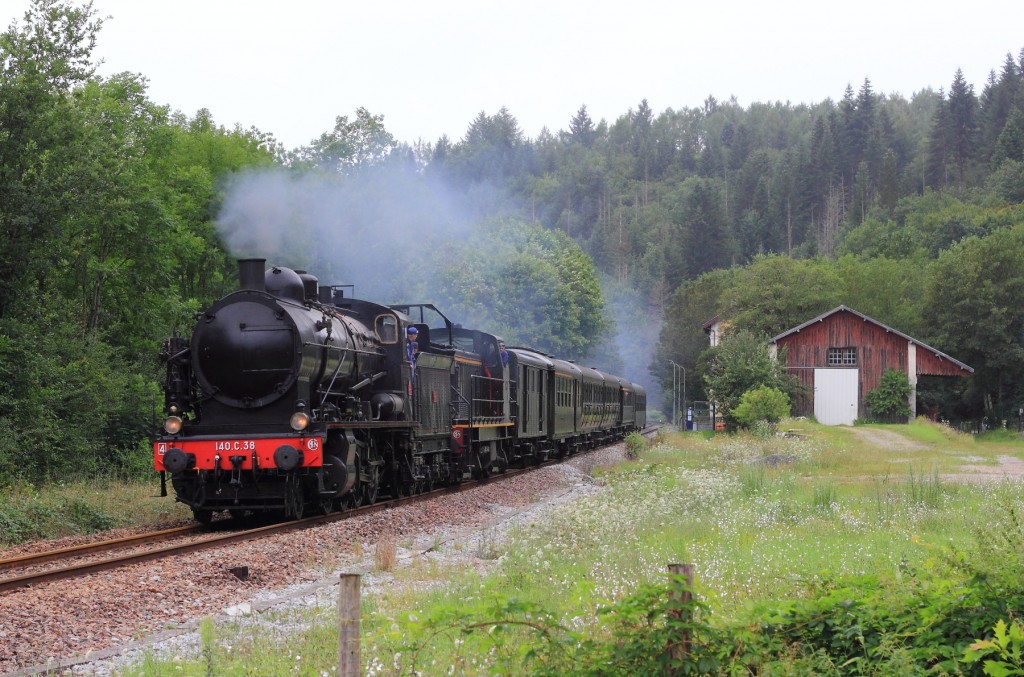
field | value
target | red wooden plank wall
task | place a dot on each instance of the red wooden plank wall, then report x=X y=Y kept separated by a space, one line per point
x=929 y=364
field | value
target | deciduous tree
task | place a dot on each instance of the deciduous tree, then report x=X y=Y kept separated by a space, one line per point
x=742 y=362
x=973 y=310
x=356 y=143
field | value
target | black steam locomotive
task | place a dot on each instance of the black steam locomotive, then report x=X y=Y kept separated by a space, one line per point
x=290 y=396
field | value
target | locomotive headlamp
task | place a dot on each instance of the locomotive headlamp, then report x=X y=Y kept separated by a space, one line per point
x=299 y=421
x=172 y=425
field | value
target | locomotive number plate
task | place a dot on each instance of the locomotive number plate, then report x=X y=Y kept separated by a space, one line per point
x=235 y=445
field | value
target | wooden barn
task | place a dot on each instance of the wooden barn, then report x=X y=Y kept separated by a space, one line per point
x=840 y=357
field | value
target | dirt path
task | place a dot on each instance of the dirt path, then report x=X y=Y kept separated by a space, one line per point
x=887 y=439
x=1007 y=467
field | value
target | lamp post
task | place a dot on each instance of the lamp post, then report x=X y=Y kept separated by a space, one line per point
x=685 y=411
x=673 y=417
x=675 y=401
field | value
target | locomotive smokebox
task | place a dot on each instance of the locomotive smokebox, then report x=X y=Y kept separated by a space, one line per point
x=250 y=274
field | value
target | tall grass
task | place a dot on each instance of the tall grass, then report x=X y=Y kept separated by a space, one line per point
x=753 y=479
x=825 y=496
x=51 y=511
x=927 y=490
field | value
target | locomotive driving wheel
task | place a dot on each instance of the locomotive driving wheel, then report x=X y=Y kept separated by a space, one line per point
x=355 y=496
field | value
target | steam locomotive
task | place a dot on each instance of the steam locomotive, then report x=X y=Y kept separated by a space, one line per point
x=290 y=396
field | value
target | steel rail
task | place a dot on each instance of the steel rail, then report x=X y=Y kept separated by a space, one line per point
x=35 y=558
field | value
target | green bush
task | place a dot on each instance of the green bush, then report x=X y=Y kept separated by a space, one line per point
x=88 y=518
x=15 y=526
x=742 y=363
x=1006 y=645
x=761 y=404
x=889 y=401
x=638 y=635
x=71 y=406
x=635 y=443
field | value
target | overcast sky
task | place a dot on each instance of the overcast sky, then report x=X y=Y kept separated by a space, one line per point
x=430 y=67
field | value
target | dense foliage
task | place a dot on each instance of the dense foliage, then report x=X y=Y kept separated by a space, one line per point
x=855 y=626
x=533 y=287
x=741 y=363
x=762 y=404
x=105 y=206
x=889 y=400
x=115 y=232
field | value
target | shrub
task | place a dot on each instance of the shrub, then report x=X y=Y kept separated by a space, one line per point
x=890 y=399
x=634 y=636
x=1006 y=645
x=742 y=363
x=15 y=526
x=88 y=517
x=762 y=404
x=635 y=443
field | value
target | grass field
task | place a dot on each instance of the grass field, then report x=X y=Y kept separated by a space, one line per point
x=772 y=527
x=82 y=507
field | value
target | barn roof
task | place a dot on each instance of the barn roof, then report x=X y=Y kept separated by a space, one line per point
x=821 y=318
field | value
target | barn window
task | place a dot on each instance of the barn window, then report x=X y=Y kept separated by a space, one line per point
x=842 y=357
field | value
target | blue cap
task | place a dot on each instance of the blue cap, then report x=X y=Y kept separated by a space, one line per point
x=412 y=330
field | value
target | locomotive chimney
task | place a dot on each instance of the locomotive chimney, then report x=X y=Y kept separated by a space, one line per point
x=250 y=274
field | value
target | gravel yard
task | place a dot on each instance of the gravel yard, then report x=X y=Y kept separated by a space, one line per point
x=86 y=626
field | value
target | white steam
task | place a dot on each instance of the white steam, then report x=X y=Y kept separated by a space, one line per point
x=361 y=230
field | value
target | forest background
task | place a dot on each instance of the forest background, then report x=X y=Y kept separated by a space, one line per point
x=607 y=241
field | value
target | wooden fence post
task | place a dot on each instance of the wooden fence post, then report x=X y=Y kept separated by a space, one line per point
x=681 y=648
x=348 y=622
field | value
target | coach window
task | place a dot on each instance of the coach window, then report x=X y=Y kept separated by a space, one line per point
x=386 y=327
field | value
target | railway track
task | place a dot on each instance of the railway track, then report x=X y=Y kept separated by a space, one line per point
x=24 y=571
x=86 y=549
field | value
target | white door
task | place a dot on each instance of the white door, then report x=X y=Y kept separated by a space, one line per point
x=835 y=396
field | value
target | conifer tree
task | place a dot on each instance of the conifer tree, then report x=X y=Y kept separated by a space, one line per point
x=997 y=103
x=1010 y=144
x=938 y=145
x=962 y=124
x=643 y=144
x=581 y=128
